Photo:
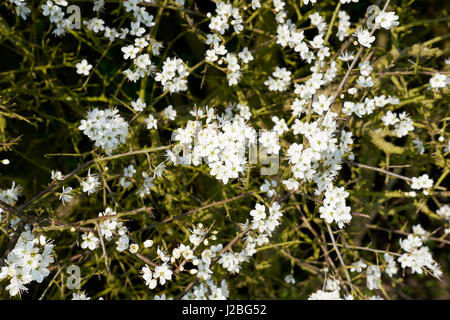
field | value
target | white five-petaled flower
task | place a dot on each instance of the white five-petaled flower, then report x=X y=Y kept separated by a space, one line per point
x=163 y=273
x=129 y=52
x=89 y=241
x=438 y=81
x=170 y=113
x=91 y=183
x=56 y=174
x=245 y=55
x=259 y=213
x=65 y=195
x=364 y=38
x=387 y=20
x=83 y=67
x=151 y=122
x=134 y=248
x=138 y=105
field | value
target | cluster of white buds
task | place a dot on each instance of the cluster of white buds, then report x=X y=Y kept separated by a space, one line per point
x=90 y=184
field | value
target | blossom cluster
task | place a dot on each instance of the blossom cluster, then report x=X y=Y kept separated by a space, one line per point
x=334 y=209
x=263 y=223
x=54 y=9
x=173 y=263
x=221 y=143
x=106 y=128
x=218 y=52
x=417 y=256
x=28 y=261
x=173 y=75
x=108 y=227
x=257 y=233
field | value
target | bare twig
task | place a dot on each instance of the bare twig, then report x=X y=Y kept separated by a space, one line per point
x=217 y=203
x=365 y=166
x=330 y=232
